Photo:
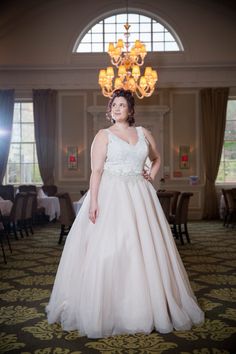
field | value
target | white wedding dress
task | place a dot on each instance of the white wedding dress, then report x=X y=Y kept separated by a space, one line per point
x=122 y=274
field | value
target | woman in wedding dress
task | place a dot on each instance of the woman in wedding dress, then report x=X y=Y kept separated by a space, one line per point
x=120 y=271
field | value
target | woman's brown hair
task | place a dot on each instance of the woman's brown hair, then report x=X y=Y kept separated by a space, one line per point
x=127 y=94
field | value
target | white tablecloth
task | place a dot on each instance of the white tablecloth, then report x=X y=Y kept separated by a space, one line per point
x=5 y=206
x=51 y=205
x=77 y=205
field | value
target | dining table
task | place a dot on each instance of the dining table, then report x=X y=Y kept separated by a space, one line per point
x=78 y=204
x=51 y=206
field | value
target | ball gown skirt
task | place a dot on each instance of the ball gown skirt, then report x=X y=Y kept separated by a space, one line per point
x=122 y=274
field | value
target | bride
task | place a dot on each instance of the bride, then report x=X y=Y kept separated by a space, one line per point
x=120 y=271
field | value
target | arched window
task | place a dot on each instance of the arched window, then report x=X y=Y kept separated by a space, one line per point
x=154 y=34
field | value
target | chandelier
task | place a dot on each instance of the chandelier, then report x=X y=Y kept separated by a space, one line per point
x=128 y=63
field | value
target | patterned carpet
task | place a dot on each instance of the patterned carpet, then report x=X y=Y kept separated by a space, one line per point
x=27 y=279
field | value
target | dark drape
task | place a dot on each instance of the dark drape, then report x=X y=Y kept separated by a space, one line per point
x=6 y=119
x=213 y=107
x=44 y=102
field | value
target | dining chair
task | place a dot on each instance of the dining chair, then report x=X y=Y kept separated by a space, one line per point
x=174 y=201
x=4 y=237
x=7 y=192
x=25 y=188
x=67 y=214
x=29 y=212
x=39 y=216
x=165 y=201
x=226 y=211
x=50 y=190
x=231 y=207
x=14 y=221
x=181 y=217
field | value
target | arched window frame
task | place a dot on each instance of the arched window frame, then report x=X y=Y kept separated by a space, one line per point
x=107 y=15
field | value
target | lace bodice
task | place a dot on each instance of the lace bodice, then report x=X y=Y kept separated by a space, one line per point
x=123 y=158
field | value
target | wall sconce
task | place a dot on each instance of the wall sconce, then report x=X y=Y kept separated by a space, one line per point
x=72 y=157
x=184 y=156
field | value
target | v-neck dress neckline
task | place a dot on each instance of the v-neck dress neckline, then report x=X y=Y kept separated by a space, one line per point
x=126 y=142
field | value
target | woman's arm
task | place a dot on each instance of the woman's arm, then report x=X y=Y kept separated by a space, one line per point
x=153 y=155
x=98 y=156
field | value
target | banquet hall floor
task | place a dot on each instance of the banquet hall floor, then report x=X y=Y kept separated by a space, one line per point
x=26 y=282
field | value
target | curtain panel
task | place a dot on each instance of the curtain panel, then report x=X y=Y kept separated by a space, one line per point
x=44 y=103
x=213 y=108
x=6 y=119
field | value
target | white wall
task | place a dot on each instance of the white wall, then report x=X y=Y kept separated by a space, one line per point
x=36 y=43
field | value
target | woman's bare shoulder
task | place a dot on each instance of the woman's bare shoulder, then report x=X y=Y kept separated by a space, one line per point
x=101 y=136
x=146 y=132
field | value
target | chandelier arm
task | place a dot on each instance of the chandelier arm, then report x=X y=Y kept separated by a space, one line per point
x=140 y=93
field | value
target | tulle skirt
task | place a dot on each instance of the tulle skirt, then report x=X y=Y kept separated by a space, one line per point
x=122 y=274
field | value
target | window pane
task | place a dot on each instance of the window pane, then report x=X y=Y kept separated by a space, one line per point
x=230 y=150
x=134 y=28
x=110 y=19
x=230 y=171
x=231 y=110
x=14 y=155
x=97 y=37
x=13 y=173
x=121 y=18
x=84 y=48
x=27 y=112
x=157 y=27
x=35 y=154
x=158 y=46
x=98 y=28
x=120 y=27
x=145 y=19
x=27 y=132
x=169 y=37
x=158 y=37
x=170 y=46
x=86 y=38
x=37 y=176
x=27 y=173
x=97 y=47
x=230 y=130
x=145 y=27
x=221 y=173
x=109 y=37
x=27 y=153
x=16 y=133
x=145 y=37
x=110 y=27
x=120 y=35
x=133 y=37
x=17 y=112
x=148 y=46
x=133 y=18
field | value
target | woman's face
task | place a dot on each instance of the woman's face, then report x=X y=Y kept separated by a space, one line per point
x=120 y=109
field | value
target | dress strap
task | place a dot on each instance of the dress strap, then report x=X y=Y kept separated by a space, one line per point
x=109 y=134
x=140 y=132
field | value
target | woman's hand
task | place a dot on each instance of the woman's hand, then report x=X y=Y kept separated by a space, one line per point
x=147 y=176
x=93 y=213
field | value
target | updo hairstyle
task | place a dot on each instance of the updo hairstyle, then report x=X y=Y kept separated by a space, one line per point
x=127 y=94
